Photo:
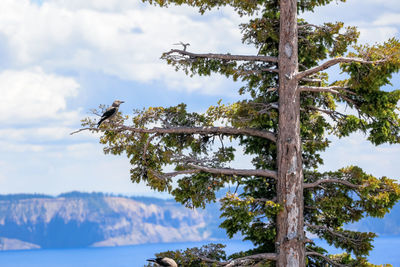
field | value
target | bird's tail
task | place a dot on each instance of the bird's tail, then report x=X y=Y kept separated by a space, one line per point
x=99 y=123
x=151 y=260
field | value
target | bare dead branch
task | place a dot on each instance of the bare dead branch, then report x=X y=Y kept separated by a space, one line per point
x=238 y=172
x=243 y=260
x=333 y=62
x=185 y=45
x=313 y=253
x=224 y=56
x=330 y=89
x=317 y=183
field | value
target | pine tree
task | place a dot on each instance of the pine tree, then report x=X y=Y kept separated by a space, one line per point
x=284 y=125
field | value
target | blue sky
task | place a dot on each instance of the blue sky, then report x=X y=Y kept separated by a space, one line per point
x=59 y=59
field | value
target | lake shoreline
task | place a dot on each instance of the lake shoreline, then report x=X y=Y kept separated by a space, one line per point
x=125 y=256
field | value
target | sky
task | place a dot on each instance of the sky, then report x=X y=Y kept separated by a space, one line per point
x=61 y=58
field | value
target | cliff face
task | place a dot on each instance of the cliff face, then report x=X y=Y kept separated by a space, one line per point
x=15 y=244
x=96 y=220
x=83 y=220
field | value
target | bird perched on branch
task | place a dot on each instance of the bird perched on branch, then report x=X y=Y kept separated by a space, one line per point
x=167 y=262
x=110 y=112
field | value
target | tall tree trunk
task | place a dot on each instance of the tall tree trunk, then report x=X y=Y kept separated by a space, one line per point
x=290 y=221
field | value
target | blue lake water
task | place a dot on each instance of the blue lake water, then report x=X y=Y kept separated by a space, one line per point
x=128 y=256
x=387 y=250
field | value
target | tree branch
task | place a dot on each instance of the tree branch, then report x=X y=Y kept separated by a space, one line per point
x=204 y=130
x=330 y=89
x=147 y=146
x=312 y=80
x=311 y=254
x=239 y=172
x=165 y=176
x=317 y=183
x=193 y=130
x=268 y=107
x=253 y=72
x=333 y=232
x=243 y=260
x=335 y=115
x=222 y=171
x=333 y=62
x=223 y=56
x=310 y=25
x=85 y=129
x=329 y=112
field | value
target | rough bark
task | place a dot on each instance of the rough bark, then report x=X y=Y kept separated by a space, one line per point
x=290 y=221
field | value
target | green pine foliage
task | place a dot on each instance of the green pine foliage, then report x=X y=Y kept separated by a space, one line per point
x=328 y=206
x=191 y=257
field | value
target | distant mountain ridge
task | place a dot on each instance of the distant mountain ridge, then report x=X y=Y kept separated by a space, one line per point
x=94 y=219
x=75 y=219
x=386 y=226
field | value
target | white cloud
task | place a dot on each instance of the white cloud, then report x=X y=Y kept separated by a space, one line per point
x=62 y=168
x=29 y=134
x=8 y=147
x=377 y=20
x=115 y=37
x=370 y=34
x=388 y=19
x=381 y=29
x=380 y=160
x=103 y=5
x=32 y=95
x=390 y=4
